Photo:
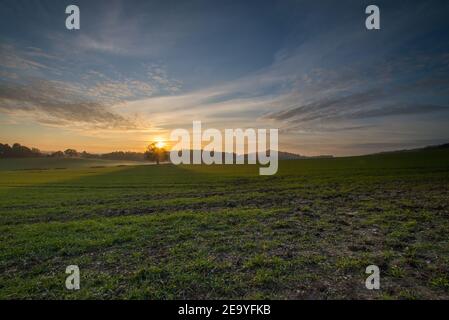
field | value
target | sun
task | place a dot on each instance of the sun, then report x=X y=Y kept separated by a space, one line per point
x=160 y=144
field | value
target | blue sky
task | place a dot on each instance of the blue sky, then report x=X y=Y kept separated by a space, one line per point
x=138 y=69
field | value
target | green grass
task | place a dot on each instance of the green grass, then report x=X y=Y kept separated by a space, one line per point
x=173 y=232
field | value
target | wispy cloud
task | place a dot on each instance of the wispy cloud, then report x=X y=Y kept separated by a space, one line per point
x=90 y=100
x=12 y=60
x=58 y=103
x=368 y=104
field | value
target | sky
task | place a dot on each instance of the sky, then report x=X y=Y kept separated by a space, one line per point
x=136 y=70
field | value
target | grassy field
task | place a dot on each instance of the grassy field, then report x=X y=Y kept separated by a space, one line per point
x=173 y=232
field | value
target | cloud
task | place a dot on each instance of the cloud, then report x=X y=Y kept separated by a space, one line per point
x=157 y=74
x=108 y=45
x=372 y=103
x=32 y=85
x=10 y=59
x=327 y=107
x=113 y=92
x=58 y=103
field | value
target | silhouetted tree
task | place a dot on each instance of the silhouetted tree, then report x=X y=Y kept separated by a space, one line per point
x=71 y=153
x=18 y=151
x=154 y=153
x=5 y=150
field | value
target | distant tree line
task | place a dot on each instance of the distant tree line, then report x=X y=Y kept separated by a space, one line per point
x=19 y=151
x=153 y=153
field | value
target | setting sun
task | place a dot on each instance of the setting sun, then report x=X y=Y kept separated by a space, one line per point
x=160 y=144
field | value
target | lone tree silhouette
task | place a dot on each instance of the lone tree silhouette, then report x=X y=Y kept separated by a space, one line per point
x=154 y=153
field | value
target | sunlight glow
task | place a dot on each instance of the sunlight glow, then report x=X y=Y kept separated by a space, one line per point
x=160 y=144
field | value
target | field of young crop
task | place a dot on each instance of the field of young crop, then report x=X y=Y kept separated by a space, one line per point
x=173 y=232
